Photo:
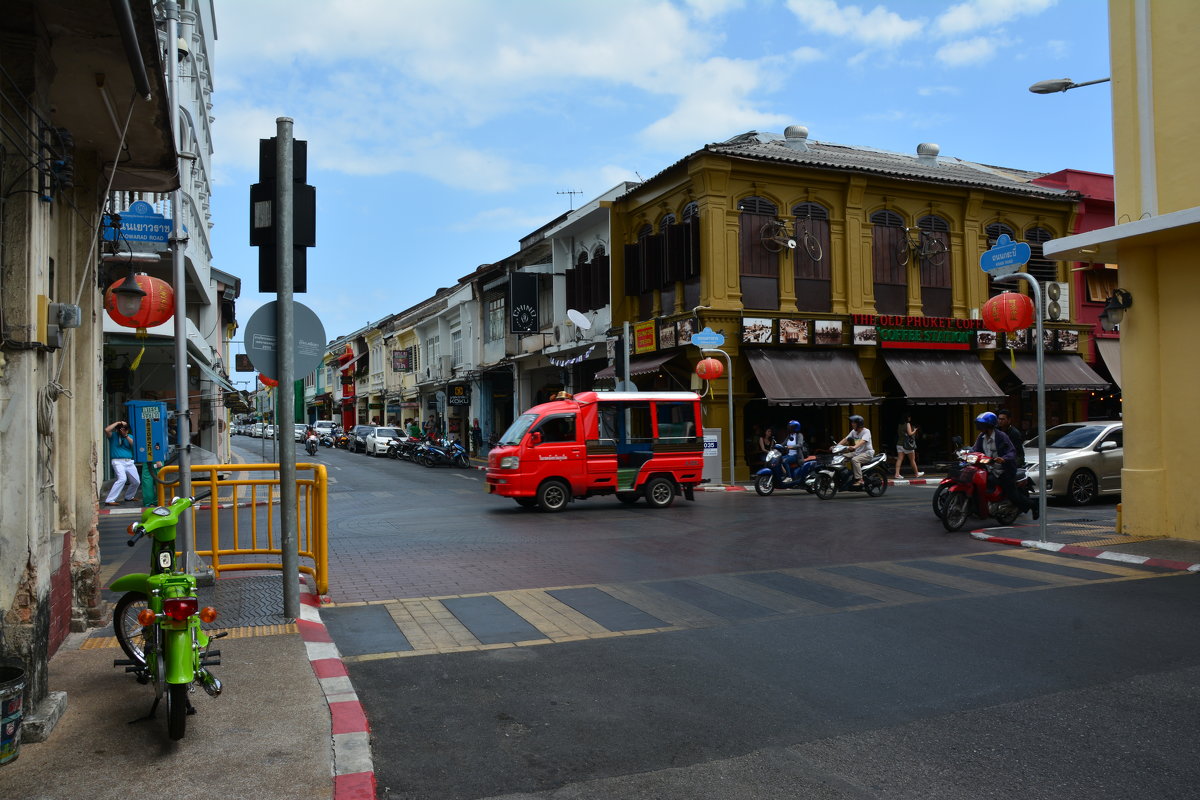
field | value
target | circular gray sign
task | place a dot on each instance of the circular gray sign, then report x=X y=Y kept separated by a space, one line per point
x=308 y=340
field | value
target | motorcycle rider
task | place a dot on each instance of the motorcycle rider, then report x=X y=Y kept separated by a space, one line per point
x=995 y=443
x=859 y=438
x=1004 y=424
x=797 y=451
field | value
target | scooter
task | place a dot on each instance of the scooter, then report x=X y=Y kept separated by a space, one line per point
x=775 y=475
x=326 y=440
x=942 y=493
x=342 y=440
x=976 y=491
x=445 y=451
x=838 y=475
x=310 y=444
x=158 y=622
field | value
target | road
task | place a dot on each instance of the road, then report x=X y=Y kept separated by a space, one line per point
x=746 y=647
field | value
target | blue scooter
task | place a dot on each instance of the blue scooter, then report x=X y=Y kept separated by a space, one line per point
x=776 y=475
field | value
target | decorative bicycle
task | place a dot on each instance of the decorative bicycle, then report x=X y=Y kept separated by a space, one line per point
x=926 y=245
x=775 y=237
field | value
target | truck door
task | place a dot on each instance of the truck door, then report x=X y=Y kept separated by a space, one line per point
x=555 y=447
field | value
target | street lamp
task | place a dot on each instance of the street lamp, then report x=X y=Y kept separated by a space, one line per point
x=1061 y=85
x=1114 y=309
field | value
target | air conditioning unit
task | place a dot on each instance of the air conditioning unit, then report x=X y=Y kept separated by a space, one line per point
x=447 y=365
x=1056 y=301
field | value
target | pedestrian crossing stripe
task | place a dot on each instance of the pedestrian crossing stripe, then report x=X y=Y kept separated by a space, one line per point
x=532 y=617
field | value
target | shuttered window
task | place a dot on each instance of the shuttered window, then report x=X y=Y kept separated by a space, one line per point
x=1039 y=266
x=691 y=273
x=600 y=278
x=759 y=267
x=935 y=267
x=891 y=280
x=812 y=275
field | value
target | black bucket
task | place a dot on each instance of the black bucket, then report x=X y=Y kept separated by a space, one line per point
x=12 y=689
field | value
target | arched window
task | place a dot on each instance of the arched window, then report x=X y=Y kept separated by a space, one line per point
x=579 y=283
x=935 y=266
x=891 y=281
x=1039 y=266
x=672 y=263
x=600 y=277
x=759 y=266
x=813 y=257
x=994 y=232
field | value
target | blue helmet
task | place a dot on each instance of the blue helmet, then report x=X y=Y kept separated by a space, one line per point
x=987 y=418
x=794 y=425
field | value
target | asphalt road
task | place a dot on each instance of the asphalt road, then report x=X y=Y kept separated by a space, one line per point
x=746 y=647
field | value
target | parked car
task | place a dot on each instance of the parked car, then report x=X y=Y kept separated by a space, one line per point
x=1083 y=460
x=358 y=438
x=377 y=440
x=259 y=427
x=268 y=432
x=327 y=427
x=300 y=429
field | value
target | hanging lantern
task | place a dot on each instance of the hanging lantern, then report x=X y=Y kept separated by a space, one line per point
x=710 y=369
x=1008 y=312
x=156 y=307
x=269 y=382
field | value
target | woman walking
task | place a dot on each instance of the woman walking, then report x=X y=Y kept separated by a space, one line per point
x=906 y=445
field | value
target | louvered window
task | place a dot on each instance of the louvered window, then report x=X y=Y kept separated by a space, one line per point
x=935 y=266
x=891 y=280
x=759 y=266
x=1039 y=266
x=812 y=275
x=691 y=272
x=650 y=247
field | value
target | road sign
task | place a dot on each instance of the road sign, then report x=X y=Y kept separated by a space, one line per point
x=139 y=226
x=308 y=340
x=708 y=338
x=1005 y=257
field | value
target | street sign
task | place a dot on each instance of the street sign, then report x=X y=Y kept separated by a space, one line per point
x=139 y=226
x=1005 y=257
x=708 y=338
x=308 y=340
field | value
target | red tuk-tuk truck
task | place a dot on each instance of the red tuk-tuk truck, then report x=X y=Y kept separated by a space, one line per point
x=631 y=444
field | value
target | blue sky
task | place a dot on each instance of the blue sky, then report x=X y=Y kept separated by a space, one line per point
x=439 y=133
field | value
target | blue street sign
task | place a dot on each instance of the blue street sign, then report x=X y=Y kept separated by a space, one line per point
x=708 y=338
x=140 y=226
x=1005 y=257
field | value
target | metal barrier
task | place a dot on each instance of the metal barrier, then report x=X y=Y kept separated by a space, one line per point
x=228 y=550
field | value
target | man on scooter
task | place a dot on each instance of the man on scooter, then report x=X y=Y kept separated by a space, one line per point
x=995 y=443
x=797 y=451
x=859 y=438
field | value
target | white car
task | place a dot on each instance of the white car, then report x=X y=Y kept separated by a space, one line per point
x=300 y=429
x=377 y=440
x=268 y=432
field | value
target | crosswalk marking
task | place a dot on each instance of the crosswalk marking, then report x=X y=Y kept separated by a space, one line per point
x=431 y=628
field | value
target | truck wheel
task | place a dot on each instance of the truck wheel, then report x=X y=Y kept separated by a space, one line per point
x=553 y=496
x=660 y=492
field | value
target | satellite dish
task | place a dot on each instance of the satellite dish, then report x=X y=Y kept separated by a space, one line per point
x=579 y=319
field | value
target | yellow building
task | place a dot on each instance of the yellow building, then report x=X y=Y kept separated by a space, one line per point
x=844 y=280
x=1157 y=175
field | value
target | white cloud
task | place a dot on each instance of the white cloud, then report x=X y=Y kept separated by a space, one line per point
x=708 y=9
x=806 y=55
x=967 y=52
x=878 y=27
x=974 y=15
x=933 y=91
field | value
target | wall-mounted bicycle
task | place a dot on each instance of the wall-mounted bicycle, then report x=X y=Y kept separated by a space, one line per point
x=776 y=237
x=928 y=247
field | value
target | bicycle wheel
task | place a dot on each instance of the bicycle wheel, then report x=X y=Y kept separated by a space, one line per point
x=128 y=630
x=812 y=246
x=902 y=250
x=770 y=235
x=935 y=252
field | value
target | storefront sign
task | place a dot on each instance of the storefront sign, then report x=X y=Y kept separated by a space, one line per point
x=643 y=337
x=460 y=395
x=919 y=333
x=401 y=360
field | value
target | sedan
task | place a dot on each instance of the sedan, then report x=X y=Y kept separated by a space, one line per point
x=358 y=438
x=1083 y=460
x=378 y=439
x=300 y=429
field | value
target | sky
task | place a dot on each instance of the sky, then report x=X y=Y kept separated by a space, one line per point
x=440 y=133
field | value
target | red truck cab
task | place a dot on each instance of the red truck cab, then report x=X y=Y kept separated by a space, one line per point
x=631 y=444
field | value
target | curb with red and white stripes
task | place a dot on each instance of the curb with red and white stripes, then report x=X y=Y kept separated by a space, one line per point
x=353 y=768
x=988 y=535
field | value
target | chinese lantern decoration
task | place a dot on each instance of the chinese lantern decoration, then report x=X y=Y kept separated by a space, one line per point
x=156 y=307
x=710 y=369
x=269 y=382
x=1008 y=312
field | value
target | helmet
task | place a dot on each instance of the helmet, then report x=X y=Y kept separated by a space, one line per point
x=855 y=419
x=987 y=418
x=794 y=426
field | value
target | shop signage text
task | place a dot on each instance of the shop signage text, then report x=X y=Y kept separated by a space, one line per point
x=896 y=321
x=643 y=337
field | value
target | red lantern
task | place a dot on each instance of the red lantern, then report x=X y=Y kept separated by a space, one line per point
x=157 y=306
x=271 y=382
x=710 y=369
x=1008 y=312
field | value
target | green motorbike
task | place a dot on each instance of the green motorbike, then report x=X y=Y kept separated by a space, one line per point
x=158 y=622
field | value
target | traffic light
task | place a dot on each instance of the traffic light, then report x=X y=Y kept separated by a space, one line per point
x=263 y=215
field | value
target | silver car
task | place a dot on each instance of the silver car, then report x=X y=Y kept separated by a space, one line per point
x=1083 y=460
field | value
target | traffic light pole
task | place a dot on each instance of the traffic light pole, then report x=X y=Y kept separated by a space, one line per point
x=285 y=327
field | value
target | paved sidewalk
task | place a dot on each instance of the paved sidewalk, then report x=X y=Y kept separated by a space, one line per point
x=1088 y=539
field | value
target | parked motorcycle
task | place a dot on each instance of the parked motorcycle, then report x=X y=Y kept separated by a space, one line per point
x=838 y=475
x=326 y=440
x=402 y=447
x=342 y=441
x=775 y=475
x=158 y=622
x=444 y=451
x=976 y=491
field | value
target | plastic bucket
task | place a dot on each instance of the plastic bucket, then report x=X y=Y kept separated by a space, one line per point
x=12 y=689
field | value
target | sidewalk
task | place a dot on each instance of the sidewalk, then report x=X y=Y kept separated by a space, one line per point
x=1087 y=539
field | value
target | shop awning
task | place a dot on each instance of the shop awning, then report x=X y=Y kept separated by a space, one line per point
x=213 y=375
x=1110 y=351
x=946 y=378
x=1063 y=373
x=638 y=366
x=810 y=377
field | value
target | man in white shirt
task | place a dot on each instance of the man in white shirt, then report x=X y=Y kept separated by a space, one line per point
x=860 y=439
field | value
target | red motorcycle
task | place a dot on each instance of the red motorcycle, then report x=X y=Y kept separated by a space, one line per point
x=976 y=491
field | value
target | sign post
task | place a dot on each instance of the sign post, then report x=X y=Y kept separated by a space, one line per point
x=1003 y=262
x=709 y=341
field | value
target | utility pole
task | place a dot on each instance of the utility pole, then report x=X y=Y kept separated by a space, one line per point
x=285 y=322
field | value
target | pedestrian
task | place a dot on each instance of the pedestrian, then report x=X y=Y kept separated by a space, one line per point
x=766 y=441
x=1004 y=424
x=906 y=445
x=476 y=436
x=125 y=473
x=755 y=455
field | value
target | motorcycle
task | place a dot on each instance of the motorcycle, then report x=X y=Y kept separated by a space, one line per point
x=777 y=476
x=310 y=444
x=838 y=475
x=158 y=622
x=342 y=441
x=942 y=493
x=402 y=447
x=327 y=440
x=444 y=451
x=976 y=491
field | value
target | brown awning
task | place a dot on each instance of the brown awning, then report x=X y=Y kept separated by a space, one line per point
x=947 y=378
x=810 y=377
x=1110 y=351
x=1063 y=373
x=638 y=366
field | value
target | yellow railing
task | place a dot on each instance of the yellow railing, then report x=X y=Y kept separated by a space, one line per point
x=235 y=531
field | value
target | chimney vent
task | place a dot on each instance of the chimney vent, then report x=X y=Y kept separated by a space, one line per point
x=927 y=153
x=796 y=137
